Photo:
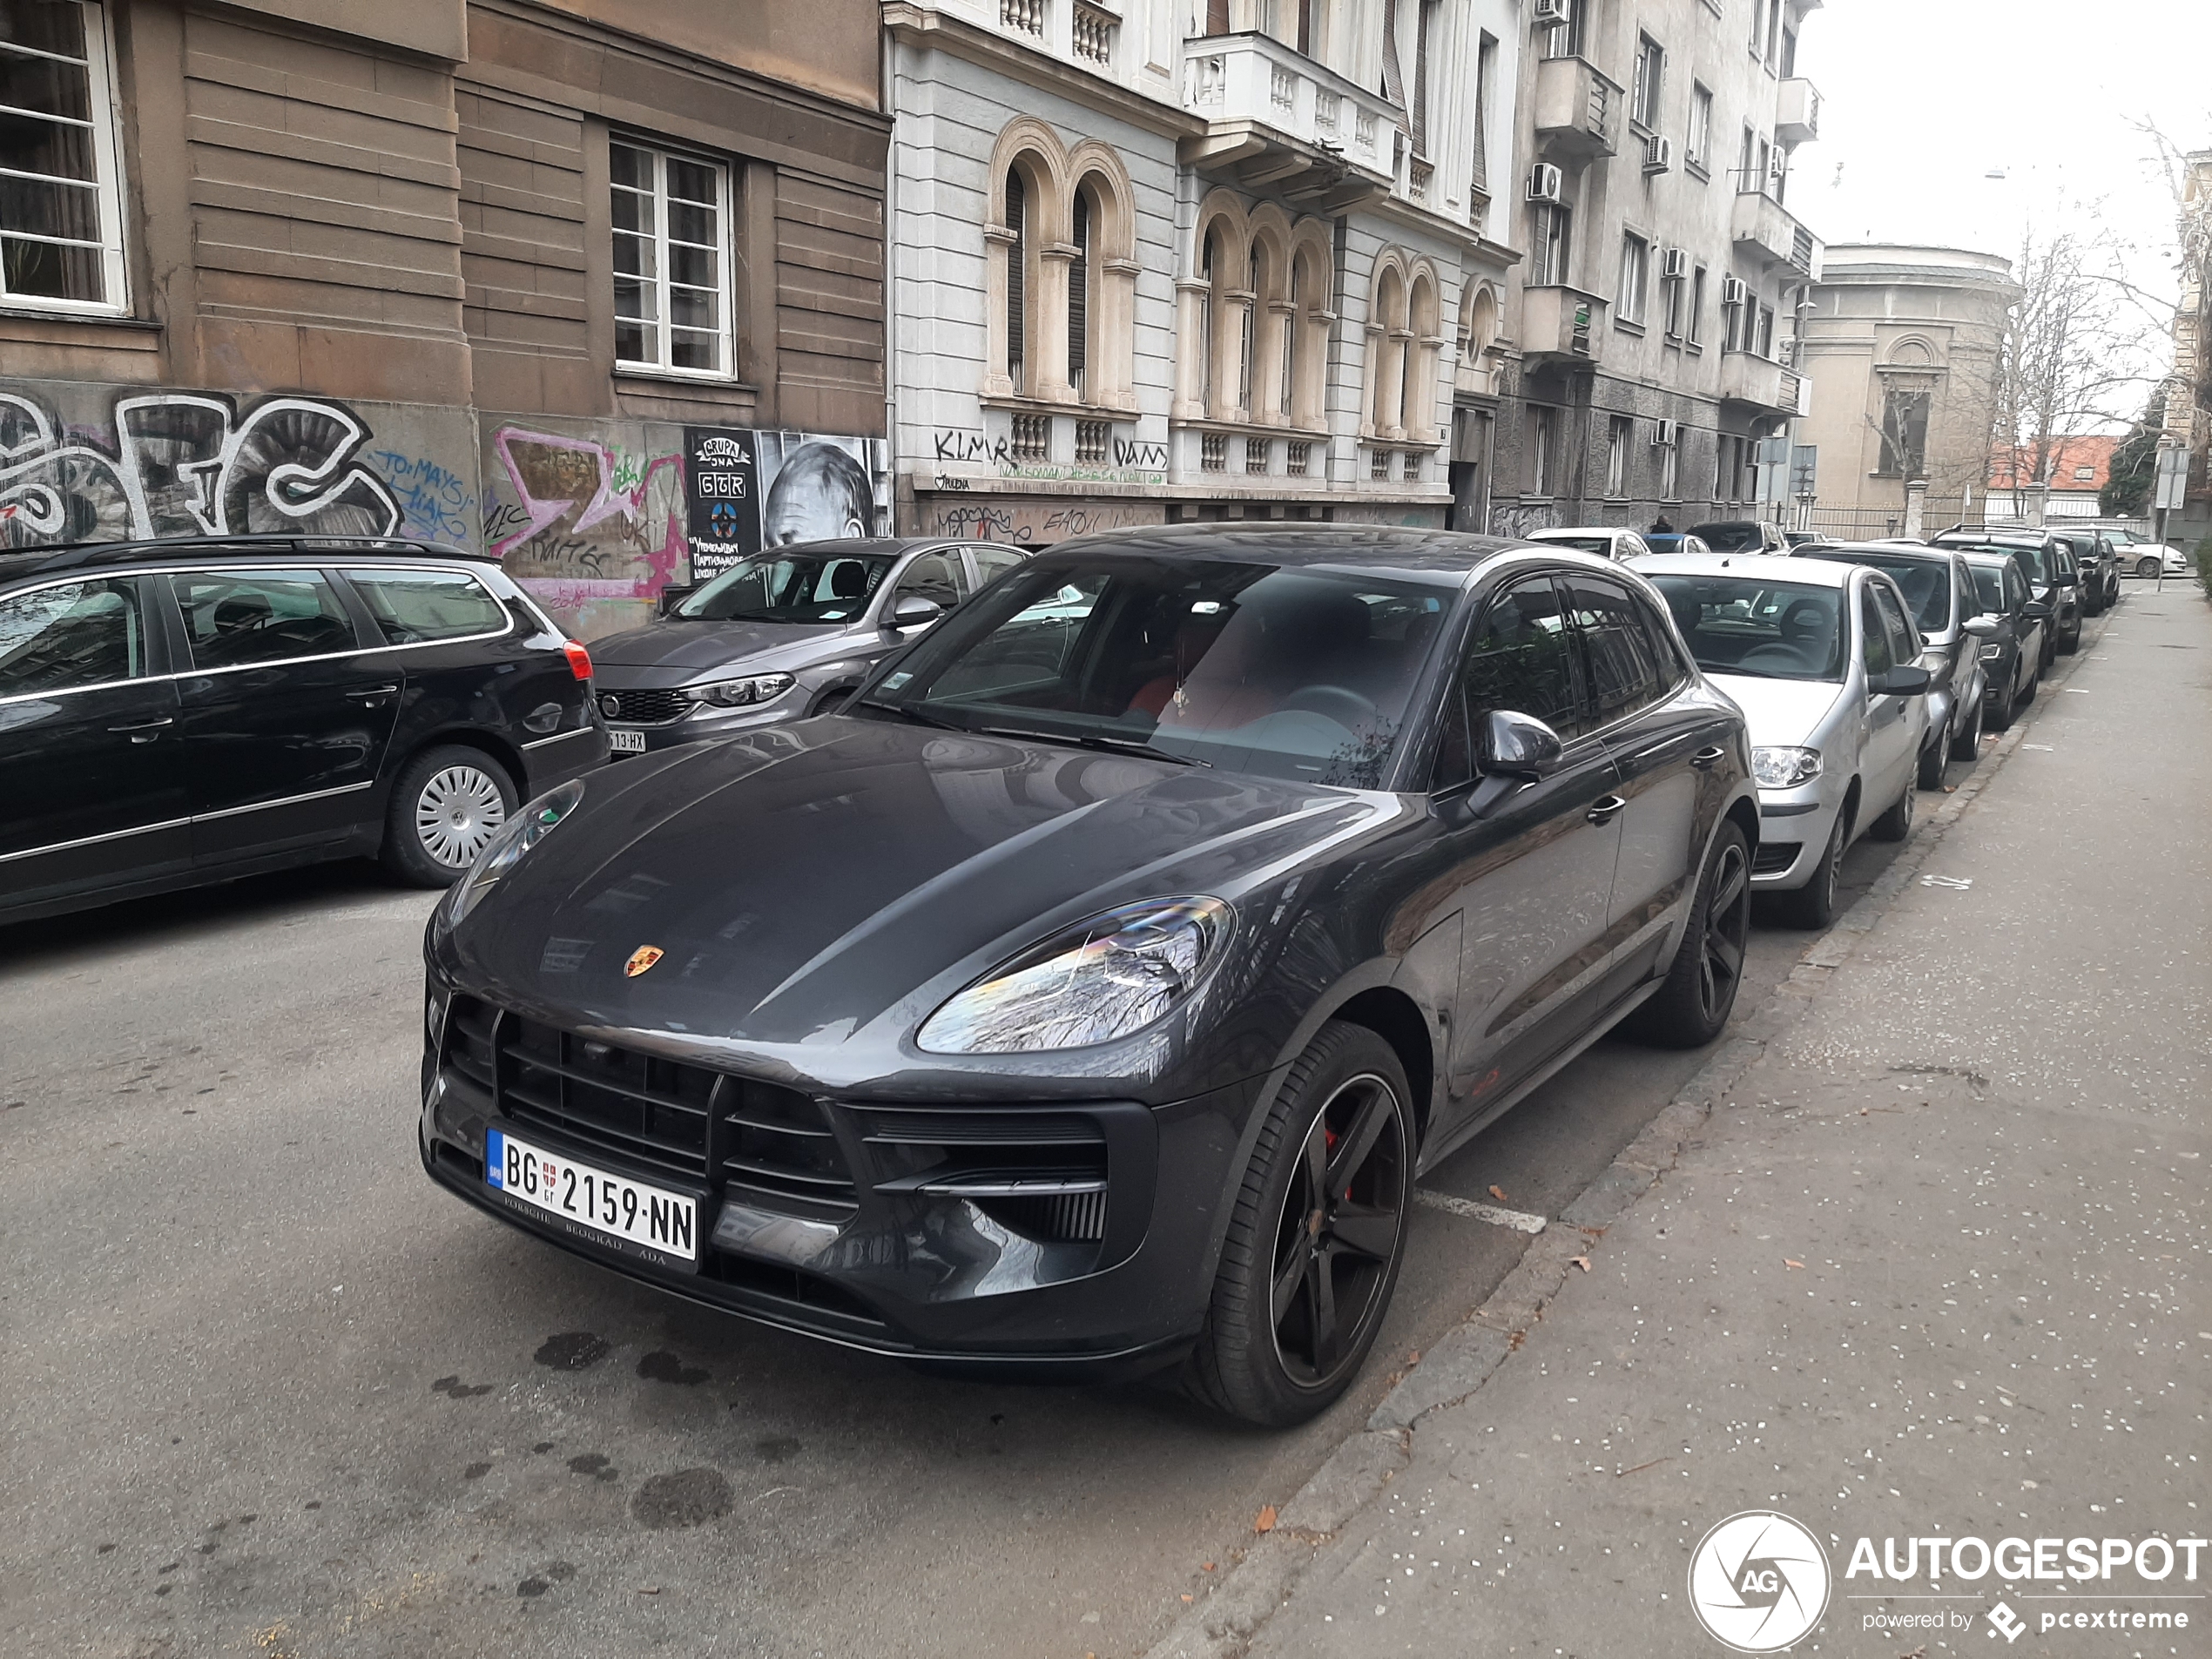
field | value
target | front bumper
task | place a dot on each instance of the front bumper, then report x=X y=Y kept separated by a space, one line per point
x=710 y=722
x=880 y=1261
x=1794 y=828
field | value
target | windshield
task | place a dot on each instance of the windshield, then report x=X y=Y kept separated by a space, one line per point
x=1926 y=587
x=1283 y=671
x=1989 y=587
x=1768 y=629
x=1600 y=545
x=1730 y=538
x=784 y=586
x=2036 y=561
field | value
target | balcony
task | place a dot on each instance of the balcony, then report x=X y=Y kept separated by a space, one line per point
x=1579 y=110
x=1561 y=324
x=1768 y=232
x=1759 y=382
x=1277 y=119
x=1796 y=115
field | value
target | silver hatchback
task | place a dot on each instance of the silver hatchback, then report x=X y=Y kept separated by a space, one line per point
x=786 y=633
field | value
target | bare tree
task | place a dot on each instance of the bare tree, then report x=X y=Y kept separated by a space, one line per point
x=2071 y=357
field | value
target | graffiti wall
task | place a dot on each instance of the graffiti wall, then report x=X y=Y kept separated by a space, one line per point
x=81 y=463
x=1027 y=521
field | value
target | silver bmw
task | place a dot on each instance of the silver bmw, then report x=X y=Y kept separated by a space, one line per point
x=1824 y=658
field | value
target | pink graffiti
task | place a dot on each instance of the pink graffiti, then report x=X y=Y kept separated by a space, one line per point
x=607 y=501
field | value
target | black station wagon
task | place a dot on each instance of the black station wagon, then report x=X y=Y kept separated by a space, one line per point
x=180 y=711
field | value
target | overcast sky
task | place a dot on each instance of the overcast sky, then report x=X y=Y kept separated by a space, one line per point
x=1923 y=99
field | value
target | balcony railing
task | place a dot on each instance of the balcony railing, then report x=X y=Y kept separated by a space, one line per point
x=1796 y=114
x=1747 y=378
x=1025 y=16
x=1770 y=234
x=1560 y=323
x=1578 y=108
x=1256 y=95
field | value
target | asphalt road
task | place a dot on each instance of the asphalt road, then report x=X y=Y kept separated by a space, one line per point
x=265 y=1390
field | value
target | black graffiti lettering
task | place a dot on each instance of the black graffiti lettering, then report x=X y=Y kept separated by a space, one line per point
x=1145 y=457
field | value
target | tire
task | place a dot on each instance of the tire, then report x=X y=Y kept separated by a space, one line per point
x=1814 y=904
x=1928 y=774
x=830 y=701
x=2146 y=567
x=2034 y=685
x=1896 y=825
x=446 y=804
x=2072 y=643
x=1691 y=1007
x=1269 y=1353
x=1967 y=744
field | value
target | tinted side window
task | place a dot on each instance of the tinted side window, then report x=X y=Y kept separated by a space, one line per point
x=75 y=634
x=992 y=563
x=1518 y=660
x=413 y=607
x=1873 y=638
x=2015 y=587
x=1904 y=645
x=933 y=576
x=1617 y=648
x=238 y=618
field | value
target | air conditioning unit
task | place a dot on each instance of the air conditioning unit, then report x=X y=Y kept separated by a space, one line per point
x=1658 y=155
x=1663 y=434
x=1734 y=291
x=1552 y=14
x=1674 y=265
x=1546 y=183
x=1777 y=166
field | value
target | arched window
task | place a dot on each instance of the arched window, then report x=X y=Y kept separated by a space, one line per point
x=1386 y=328
x=1287 y=384
x=1417 y=400
x=1208 y=261
x=1079 y=290
x=1018 y=278
x=1255 y=287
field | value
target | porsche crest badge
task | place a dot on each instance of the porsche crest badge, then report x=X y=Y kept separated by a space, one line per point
x=641 y=959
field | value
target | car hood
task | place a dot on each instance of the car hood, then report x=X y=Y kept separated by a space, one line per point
x=1781 y=712
x=805 y=881
x=682 y=648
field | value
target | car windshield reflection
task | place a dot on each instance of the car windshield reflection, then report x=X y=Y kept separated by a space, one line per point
x=1766 y=630
x=1926 y=587
x=825 y=586
x=1286 y=672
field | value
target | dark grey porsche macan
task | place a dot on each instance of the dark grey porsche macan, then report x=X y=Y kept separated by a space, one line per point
x=1085 y=996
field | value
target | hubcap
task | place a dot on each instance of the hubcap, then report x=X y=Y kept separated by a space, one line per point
x=458 y=811
x=1728 y=925
x=1338 y=1231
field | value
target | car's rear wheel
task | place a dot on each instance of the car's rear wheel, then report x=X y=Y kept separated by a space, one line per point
x=447 y=803
x=1316 y=1239
x=1689 y=1009
x=1967 y=744
x=1814 y=904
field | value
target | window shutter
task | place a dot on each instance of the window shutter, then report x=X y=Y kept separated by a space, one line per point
x=1421 y=78
x=1017 y=275
x=1217 y=16
x=1079 y=292
x=1393 y=77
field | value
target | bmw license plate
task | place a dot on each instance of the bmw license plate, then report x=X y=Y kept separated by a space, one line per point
x=599 y=1204
x=626 y=740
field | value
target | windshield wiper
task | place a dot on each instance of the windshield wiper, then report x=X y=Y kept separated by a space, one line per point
x=913 y=716
x=1099 y=740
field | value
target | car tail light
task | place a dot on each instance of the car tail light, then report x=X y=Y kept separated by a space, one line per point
x=579 y=659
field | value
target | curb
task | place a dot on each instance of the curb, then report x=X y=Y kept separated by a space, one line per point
x=1458 y=1364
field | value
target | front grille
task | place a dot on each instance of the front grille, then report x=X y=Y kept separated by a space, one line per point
x=1042 y=1174
x=645 y=708
x=766 y=1143
x=1774 y=857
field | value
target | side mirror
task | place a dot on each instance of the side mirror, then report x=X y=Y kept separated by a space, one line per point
x=1983 y=627
x=671 y=598
x=2068 y=579
x=1512 y=745
x=914 y=611
x=1905 y=681
x=2036 y=610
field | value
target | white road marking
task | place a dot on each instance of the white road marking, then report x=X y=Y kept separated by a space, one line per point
x=1959 y=882
x=1518 y=1220
x=2044 y=747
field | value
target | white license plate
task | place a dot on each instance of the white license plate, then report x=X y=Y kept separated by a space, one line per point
x=623 y=741
x=609 y=1206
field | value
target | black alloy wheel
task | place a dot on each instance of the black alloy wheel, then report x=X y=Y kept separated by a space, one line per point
x=1997 y=714
x=1315 y=1241
x=1694 y=1001
x=1928 y=774
x=1967 y=744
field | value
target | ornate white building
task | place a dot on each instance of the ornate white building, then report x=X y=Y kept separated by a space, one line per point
x=1182 y=259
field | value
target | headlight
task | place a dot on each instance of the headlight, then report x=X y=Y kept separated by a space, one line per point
x=1102 y=978
x=1991 y=651
x=1784 y=768
x=738 y=694
x=505 y=849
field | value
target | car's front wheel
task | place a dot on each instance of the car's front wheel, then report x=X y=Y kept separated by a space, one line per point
x=2146 y=567
x=447 y=803
x=1315 y=1241
x=1814 y=904
x=1967 y=744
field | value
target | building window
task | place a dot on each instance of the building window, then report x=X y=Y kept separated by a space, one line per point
x=1079 y=294
x=1255 y=285
x=1763 y=343
x=1486 y=68
x=671 y=268
x=1651 y=65
x=61 y=221
x=1673 y=287
x=1698 y=143
x=1209 y=264
x=1670 y=470
x=1635 y=265
x=1694 y=325
x=1551 y=230
x=1620 y=433
x=1017 y=280
x=1286 y=371
x=1904 y=431
x=1723 y=467
x=1543 y=442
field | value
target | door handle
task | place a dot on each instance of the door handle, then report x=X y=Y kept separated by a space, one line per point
x=1706 y=759
x=374 y=694
x=1605 y=809
x=146 y=730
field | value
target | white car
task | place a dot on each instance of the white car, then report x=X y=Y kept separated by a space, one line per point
x=2139 y=556
x=1824 y=659
x=1607 y=541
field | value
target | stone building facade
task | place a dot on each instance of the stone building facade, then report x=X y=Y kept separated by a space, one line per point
x=473 y=273
x=1160 y=261
x=1903 y=347
x=1652 y=324
x=2188 y=393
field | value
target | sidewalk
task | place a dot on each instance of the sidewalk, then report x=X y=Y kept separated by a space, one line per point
x=1935 y=1267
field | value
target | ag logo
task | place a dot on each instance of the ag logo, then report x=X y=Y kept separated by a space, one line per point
x=641 y=959
x=1758 y=1582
